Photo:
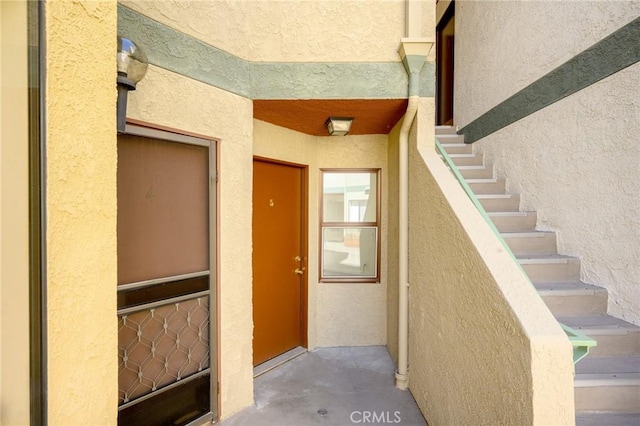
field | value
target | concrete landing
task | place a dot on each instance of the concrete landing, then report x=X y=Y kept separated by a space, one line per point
x=331 y=386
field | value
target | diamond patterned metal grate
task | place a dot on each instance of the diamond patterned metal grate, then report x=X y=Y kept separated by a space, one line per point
x=161 y=346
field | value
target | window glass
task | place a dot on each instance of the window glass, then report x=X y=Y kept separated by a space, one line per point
x=350 y=246
x=347 y=197
x=349 y=252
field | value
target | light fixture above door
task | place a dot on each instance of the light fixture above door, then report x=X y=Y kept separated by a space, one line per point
x=338 y=126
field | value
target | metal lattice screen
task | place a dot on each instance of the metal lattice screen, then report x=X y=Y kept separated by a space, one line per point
x=164 y=345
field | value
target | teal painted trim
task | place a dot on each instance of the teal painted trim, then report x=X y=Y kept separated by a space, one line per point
x=344 y=80
x=180 y=53
x=185 y=55
x=610 y=55
x=580 y=342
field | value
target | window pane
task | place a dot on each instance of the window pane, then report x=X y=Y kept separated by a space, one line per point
x=349 y=252
x=349 y=197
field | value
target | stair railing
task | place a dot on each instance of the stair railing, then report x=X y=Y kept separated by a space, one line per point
x=580 y=342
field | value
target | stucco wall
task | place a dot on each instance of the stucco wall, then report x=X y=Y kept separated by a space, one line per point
x=476 y=324
x=172 y=100
x=290 y=30
x=339 y=314
x=14 y=216
x=81 y=212
x=576 y=161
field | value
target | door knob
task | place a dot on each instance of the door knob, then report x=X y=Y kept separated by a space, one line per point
x=299 y=271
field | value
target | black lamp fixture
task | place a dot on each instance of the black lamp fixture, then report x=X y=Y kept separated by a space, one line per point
x=338 y=126
x=132 y=67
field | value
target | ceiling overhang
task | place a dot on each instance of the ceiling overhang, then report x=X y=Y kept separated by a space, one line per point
x=371 y=116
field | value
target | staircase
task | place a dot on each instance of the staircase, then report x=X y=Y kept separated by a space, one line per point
x=607 y=381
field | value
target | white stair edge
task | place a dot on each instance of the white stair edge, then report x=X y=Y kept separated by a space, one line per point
x=528 y=234
x=482 y=180
x=542 y=260
x=491 y=196
x=606 y=379
x=474 y=167
x=462 y=156
x=603 y=330
x=523 y=214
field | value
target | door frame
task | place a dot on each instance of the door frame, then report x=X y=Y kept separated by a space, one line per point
x=304 y=240
x=152 y=130
x=445 y=11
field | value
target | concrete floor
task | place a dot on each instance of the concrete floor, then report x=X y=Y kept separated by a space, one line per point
x=331 y=386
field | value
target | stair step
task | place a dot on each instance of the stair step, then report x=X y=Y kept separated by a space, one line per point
x=607 y=419
x=476 y=172
x=551 y=268
x=514 y=221
x=452 y=147
x=532 y=242
x=487 y=186
x=615 y=337
x=467 y=159
x=445 y=130
x=573 y=298
x=608 y=384
x=500 y=202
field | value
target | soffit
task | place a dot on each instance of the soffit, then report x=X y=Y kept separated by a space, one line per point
x=371 y=116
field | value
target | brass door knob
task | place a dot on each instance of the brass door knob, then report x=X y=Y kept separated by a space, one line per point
x=299 y=271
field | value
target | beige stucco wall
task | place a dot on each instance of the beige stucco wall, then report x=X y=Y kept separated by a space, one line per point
x=81 y=212
x=339 y=314
x=14 y=216
x=290 y=30
x=169 y=99
x=576 y=161
x=476 y=324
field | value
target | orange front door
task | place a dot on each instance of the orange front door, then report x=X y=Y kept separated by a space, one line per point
x=278 y=261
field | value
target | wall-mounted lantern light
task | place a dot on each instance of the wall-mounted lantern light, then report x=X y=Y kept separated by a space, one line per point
x=338 y=126
x=132 y=67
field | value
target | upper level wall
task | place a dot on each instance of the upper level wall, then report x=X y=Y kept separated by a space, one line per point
x=501 y=47
x=576 y=161
x=291 y=30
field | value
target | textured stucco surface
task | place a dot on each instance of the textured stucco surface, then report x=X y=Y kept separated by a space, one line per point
x=167 y=47
x=81 y=212
x=172 y=100
x=14 y=216
x=339 y=314
x=576 y=161
x=608 y=56
x=355 y=314
x=476 y=324
x=291 y=30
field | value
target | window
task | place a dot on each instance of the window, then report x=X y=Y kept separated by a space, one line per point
x=350 y=225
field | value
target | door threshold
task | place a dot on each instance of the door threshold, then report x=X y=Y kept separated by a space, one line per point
x=277 y=361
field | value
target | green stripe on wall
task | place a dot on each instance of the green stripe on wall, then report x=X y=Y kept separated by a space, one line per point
x=180 y=53
x=610 y=55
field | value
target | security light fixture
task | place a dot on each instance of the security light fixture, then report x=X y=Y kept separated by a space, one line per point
x=132 y=67
x=338 y=126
